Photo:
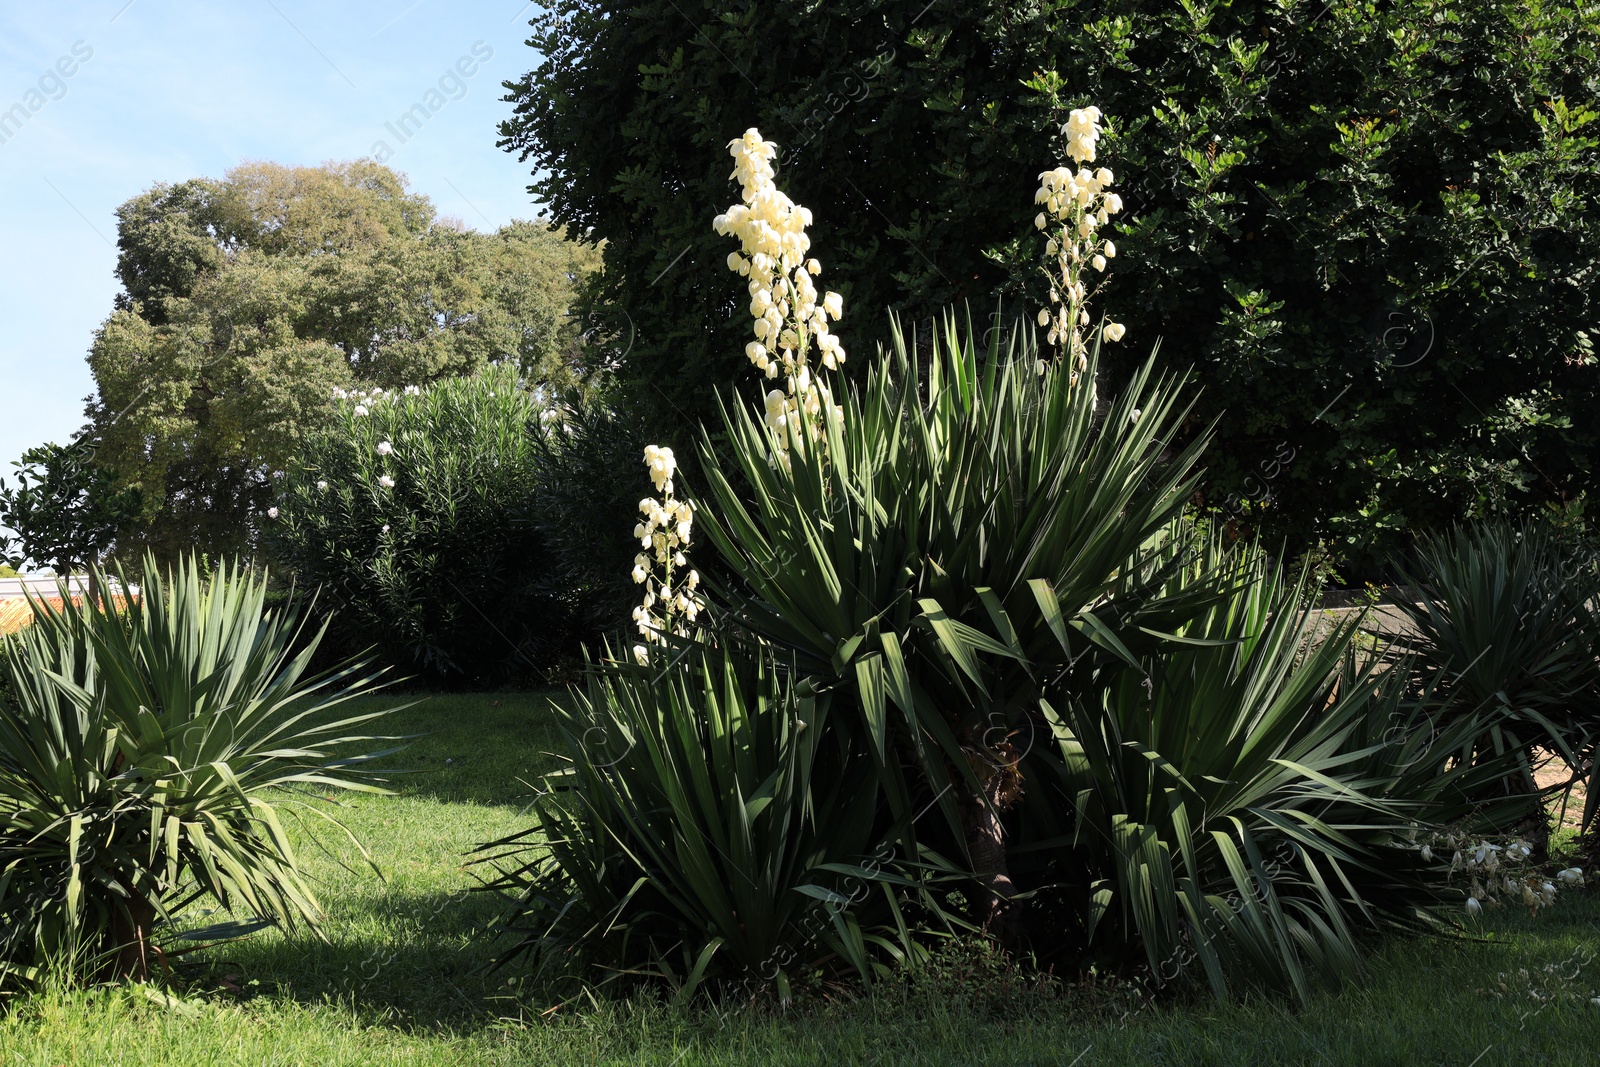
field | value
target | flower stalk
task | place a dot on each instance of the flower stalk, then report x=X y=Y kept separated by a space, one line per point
x=1077 y=206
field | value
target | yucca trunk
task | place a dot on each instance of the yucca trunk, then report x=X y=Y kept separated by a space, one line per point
x=130 y=933
x=993 y=898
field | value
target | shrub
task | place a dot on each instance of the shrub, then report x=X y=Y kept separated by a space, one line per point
x=142 y=751
x=711 y=828
x=1244 y=805
x=588 y=498
x=1134 y=754
x=1509 y=618
x=414 y=514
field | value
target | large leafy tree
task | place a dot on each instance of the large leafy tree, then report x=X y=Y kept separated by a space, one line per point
x=248 y=301
x=1371 y=229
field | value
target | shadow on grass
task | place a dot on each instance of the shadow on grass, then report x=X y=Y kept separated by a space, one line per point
x=408 y=961
x=475 y=748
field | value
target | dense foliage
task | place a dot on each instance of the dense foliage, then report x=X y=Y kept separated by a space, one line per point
x=1371 y=229
x=145 y=747
x=587 y=500
x=66 y=511
x=248 y=301
x=414 y=513
x=1042 y=687
x=712 y=824
x=1510 y=618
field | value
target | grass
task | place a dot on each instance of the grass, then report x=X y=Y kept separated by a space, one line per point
x=403 y=979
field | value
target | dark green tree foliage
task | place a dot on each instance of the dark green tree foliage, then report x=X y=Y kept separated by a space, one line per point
x=1371 y=228
x=65 y=511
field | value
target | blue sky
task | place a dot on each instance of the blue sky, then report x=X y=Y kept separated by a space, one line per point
x=175 y=89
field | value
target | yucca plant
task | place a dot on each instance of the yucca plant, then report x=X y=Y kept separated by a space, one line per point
x=1244 y=806
x=712 y=827
x=970 y=530
x=146 y=746
x=1509 y=618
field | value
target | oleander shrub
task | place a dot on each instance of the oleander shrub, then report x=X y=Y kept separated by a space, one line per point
x=414 y=515
x=148 y=750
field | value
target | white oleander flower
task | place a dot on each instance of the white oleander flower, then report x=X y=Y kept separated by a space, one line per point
x=384 y=448
x=322 y=486
x=385 y=481
x=272 y=513
x=361 y=410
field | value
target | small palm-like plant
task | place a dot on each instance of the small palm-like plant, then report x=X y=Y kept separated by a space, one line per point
x=909 y=560
x=1509 y=617
x=712 y=826
x=1243 y=807
x=142 y=745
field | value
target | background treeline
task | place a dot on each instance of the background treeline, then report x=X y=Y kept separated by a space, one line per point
x=1368 y=230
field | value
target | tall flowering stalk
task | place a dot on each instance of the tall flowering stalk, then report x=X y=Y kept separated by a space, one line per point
x=1077 y=207
x=790 y=321
x=669 y=605
x=791 y=324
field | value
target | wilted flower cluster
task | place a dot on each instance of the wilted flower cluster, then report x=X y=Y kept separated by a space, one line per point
x=1077 y=207
x=790 y=317
x=1498 y=873
x=669 y=606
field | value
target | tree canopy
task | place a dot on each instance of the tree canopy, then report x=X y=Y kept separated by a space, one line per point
x=1371 y=229
x=248 y=301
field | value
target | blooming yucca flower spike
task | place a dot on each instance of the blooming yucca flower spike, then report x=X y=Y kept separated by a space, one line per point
x=791 y=317
x=1077 y=206
x=671 y=597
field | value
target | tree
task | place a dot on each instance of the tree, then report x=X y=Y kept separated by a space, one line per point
x=1371 y=230
x=248 y=301
x=66 y=511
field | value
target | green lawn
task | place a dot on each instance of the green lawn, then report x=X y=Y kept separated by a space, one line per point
x=404 y=980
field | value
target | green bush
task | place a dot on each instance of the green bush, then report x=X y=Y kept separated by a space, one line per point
x=145 y=750
x=430 y=551
x=588 y=497
x=1370 y=229
x=1244 y=804
x=914 y=560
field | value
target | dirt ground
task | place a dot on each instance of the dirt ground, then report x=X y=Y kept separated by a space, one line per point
x=1551 y=772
